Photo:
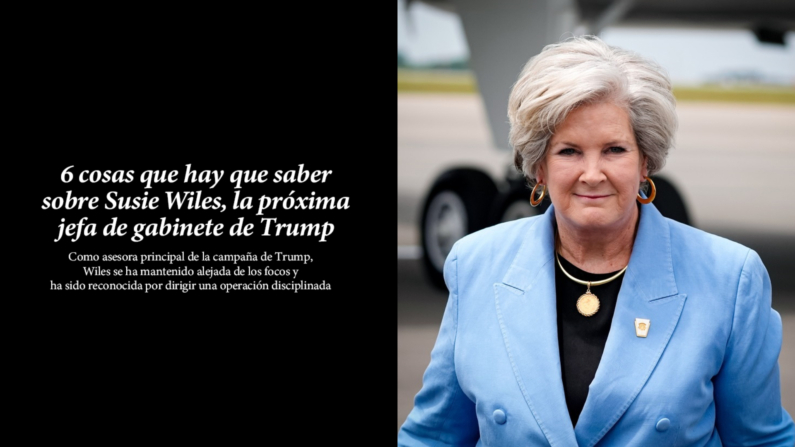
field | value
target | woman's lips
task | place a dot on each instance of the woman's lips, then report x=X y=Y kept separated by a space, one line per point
x=592 y=196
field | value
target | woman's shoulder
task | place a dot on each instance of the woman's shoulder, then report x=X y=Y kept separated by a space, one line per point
x=500 y=235
x=694 y=247
x=488 y=253
x=692 y=237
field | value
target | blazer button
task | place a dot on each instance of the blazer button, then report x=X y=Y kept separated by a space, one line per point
x=499 y=416
x=663 y=424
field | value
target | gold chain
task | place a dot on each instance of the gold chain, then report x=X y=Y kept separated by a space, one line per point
x=588 y=283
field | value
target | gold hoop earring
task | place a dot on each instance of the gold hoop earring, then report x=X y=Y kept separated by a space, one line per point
x=533 y=194
x=652 y=194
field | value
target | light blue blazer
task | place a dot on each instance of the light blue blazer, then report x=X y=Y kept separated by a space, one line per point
x=706 y=374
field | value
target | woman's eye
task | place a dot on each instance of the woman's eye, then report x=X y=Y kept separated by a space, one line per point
x=616 y=150
x=567 y=151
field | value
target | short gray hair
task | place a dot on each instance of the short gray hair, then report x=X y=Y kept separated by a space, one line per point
x=585 y=70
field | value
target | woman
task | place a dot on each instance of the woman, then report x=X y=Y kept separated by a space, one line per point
x=601 y=321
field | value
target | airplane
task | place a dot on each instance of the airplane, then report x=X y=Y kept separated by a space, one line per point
x=502 y=35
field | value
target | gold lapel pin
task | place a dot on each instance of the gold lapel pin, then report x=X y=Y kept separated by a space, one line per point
x=642 y=327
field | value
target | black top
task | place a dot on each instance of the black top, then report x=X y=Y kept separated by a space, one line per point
x=582 y=339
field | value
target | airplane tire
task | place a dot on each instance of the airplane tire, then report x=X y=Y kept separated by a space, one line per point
x=515 y=205
x=458 y=204
x=669 y=202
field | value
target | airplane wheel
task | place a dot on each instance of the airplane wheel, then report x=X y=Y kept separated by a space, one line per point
x=457 y=204
x=669 y=202
x=516 y=205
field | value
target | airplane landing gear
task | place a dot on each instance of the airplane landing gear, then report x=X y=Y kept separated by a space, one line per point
x=458 y=204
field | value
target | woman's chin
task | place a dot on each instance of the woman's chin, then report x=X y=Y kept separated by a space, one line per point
x=594 y=218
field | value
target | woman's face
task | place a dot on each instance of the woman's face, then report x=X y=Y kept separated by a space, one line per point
x=593 y=168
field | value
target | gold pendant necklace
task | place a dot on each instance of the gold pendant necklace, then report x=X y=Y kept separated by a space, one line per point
x=588 y=303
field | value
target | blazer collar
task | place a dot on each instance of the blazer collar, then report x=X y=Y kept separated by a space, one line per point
x=525 y=302
x=650 y=268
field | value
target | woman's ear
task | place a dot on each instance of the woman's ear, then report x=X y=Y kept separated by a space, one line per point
x=644 y=167
x=540 y=174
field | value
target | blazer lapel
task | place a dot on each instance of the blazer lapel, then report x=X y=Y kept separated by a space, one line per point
x=525 y=302
x=647 y=291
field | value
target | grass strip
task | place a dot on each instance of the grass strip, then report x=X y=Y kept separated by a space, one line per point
x=464 y=82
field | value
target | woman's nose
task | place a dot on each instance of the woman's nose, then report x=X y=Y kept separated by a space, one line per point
x=592 y=173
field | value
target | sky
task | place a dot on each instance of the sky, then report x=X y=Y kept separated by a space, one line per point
x=691 y=56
